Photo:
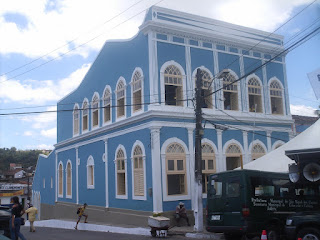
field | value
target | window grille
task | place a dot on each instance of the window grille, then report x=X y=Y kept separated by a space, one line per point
x=230 y=92
x=208 y=164
x=137 y=91
x=95 y=111
x=85 y=112
x=255 y=99
x=120 y=99
x=257 y=151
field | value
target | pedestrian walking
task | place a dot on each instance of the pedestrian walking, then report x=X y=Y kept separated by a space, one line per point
x=15 y=220
x=32 y=211
x=80 y=213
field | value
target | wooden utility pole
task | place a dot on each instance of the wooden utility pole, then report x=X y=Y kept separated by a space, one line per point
x=198 y=211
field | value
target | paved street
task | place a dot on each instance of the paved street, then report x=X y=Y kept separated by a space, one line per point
x=66 y=234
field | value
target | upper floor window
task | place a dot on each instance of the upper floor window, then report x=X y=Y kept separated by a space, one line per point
x=120 y=92
x=107 y=106
x=121 y=173
x=76 y=120
x=173 y=86
x=257 y=151
x=90 y=172
x=176 y=170
x=95 y=110
x=276 y=98
x=137 y=91
x=85 y=117
x=206 y=89
x=208 y=164
x=254 y=95
x=230 y=92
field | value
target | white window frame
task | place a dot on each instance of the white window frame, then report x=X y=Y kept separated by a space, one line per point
x=261 y=95
x=162 y=86
x=238 y=90
x=90 y=163
x=140 y=144
x=76 y=109
x=60 y=174
x=276 y=144
x=282 y=96
x=193 y=86
x=68 y=195
x=123 y=81
x=225 y=147
x=252 y=144
x=85 y=104
x=165 y=195
x=132 y=83
x=126 y=172
x=107 y=89
x=95 y=99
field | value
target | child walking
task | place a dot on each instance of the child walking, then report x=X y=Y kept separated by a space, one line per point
x=80 y=214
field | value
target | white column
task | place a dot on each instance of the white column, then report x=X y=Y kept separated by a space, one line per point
x=77 y=174
x=265 y=89
x=191 y=166
x=156 y=170
x=105 y=159
x=245 y=157
x=153 y=68
x=190 y=84
x=243 y=86
x=269 y=146
x=56 y=176
x=221 y=164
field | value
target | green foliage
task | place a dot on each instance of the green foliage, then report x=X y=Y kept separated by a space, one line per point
x=25 y=157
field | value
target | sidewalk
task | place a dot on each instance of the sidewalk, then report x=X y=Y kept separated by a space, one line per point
x=126 y=229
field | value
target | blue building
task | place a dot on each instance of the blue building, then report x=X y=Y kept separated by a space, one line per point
x=126 y=135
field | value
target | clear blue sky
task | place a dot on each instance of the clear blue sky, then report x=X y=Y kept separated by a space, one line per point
x=38 y=65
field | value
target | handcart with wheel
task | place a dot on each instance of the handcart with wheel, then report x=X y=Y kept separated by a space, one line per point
x=159 y=226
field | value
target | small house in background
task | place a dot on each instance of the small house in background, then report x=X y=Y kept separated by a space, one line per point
x=13 y=174
x=126 y=135
x=14 y=166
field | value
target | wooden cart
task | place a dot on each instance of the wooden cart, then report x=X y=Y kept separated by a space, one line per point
x=159 y=226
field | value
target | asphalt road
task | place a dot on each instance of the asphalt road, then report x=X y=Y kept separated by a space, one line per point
x=66 y=234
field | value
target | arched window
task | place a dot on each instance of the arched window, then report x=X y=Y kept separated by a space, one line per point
x=208 y=164
x=206 y=90
x=138 y=172
x=233 y=156
x=106 y=106
x=230 y=92
x=254 y=95
x=121 y=173
x=173 y=86
x=85 y=117
x=76 y=122
x=120 y=92
x=60 y=180
x=95 y=110
x=276 y=97
x=69 y=179
x=137 y=91
x=90 y=172
x=257 y=151
x=176 y=170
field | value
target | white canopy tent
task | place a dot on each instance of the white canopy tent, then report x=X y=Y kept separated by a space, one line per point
x=277 y=161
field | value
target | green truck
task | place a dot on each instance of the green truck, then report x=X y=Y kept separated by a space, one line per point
x=242 y=203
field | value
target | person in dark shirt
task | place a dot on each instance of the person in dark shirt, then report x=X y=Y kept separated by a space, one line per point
x=15 y=220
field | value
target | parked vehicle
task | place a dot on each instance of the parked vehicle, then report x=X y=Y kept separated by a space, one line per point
x=245 y=202
x=305 y=225
x=5 y=213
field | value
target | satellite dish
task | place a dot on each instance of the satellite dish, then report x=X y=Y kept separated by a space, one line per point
x=294 y=174
x=312 y=172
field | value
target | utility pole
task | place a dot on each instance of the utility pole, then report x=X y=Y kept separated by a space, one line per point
x=198 y=211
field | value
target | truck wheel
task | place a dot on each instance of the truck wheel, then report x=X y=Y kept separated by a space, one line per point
x=230 y=236
x=309 y=233
x=273 y=233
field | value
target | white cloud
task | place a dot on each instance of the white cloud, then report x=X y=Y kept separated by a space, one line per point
x=39 y=146
x=40 y=92
x=50 y=133
x=27 y=133
x=84 y=20
x=302 y=110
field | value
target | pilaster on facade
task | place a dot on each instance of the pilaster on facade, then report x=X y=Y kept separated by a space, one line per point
x=243 y=85
x=56 y=176
x=105 y=159
x=156 y=166
x=269 y=145
x=286 y=91
x=189 y=77
x=265 y=84
x=77 y=175
x=153 y=68
x=221 y=165
x=245 y=158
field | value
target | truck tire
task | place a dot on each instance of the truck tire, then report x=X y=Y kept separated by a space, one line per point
x=273 y=233
x=230 y=236
x=309 y=233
